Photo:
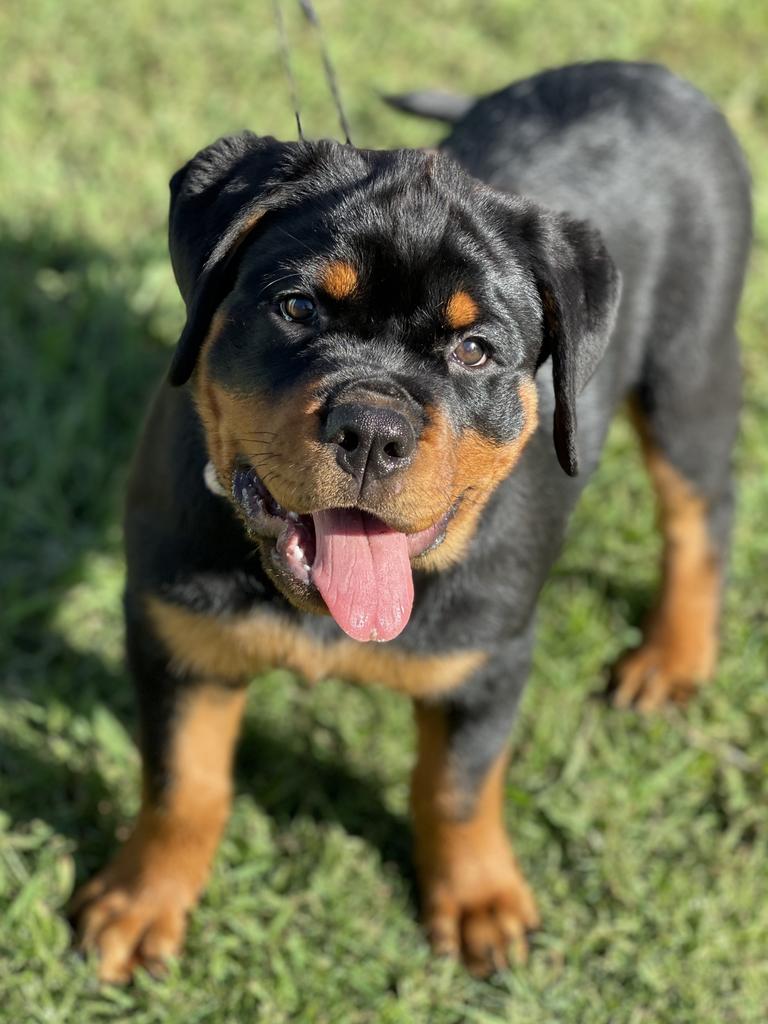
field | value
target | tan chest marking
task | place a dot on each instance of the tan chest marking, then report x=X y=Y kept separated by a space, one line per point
x=239 y=646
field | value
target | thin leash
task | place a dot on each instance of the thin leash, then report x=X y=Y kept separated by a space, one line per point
x=287 y=66
x=309 y=12
x=330 y=73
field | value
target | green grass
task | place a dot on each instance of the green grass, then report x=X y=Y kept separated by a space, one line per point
x=645 y=840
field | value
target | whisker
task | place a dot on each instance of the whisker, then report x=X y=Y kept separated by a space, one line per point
x=270 y=475
x=299 y=240
x=260 y=458
x=271 y=284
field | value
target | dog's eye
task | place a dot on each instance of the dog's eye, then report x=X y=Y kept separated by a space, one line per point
x=471 y=352
x=297 y=307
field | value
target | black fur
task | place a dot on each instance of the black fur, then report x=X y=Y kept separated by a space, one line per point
x=440 y=106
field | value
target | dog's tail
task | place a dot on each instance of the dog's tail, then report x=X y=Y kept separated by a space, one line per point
x=440 y=106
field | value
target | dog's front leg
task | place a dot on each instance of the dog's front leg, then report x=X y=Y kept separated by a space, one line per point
x=133 y=913
x=476 y=903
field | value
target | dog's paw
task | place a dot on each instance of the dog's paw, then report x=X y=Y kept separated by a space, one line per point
x=481 y=918
x=660 y=672
x=130 y=920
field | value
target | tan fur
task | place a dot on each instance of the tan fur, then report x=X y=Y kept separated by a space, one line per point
x=679 y=650
x=461 y=311
x=476 y=901
x=239 y=646
x=134 y=911
x=340 y=280
x=479 y=466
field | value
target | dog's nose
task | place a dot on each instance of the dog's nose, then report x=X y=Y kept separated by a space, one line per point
x=376 y=440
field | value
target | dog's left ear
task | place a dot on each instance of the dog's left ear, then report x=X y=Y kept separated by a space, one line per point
x=579 y=287
x=217 y=202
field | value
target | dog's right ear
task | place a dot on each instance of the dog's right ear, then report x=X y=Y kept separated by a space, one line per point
x=217 y=202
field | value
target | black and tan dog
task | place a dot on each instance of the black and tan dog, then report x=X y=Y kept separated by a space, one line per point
x=378 y=347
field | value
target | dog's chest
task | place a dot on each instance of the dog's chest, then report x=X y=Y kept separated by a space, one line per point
x=240 y=646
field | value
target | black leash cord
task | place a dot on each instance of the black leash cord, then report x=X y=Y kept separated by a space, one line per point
x=286 y=57
x=310 y=14
x=330 y=74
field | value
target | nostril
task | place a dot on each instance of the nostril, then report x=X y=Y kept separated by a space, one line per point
x=394 y=450
x=348 y=439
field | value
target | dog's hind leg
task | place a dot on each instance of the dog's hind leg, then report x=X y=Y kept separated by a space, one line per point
x=687 y=435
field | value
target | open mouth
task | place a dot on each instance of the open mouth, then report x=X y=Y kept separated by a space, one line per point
x=360 y=565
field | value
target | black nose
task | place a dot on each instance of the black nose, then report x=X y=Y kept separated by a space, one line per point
x=369 y=439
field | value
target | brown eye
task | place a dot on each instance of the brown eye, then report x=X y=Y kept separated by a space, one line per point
x=297 y=307
x=471 y=352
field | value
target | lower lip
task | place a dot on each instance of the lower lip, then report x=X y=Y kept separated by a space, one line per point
x=426 y=540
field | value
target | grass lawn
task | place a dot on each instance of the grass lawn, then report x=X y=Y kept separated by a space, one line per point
x=645 y=840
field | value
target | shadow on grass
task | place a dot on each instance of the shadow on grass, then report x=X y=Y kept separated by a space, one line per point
x=632 y=598
x=78 y=364
x=288 y=779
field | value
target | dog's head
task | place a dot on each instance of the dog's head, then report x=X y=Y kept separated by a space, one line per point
x=363 y=331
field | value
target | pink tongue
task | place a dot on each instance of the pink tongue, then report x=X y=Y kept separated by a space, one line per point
x=362 y=570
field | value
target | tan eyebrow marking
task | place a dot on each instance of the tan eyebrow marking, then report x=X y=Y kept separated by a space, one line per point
x=339 y=279
x=461 y=310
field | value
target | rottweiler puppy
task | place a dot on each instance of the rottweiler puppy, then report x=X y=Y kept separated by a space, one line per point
x=365 y=454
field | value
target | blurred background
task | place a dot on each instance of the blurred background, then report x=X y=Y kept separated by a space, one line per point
x=645 y=840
